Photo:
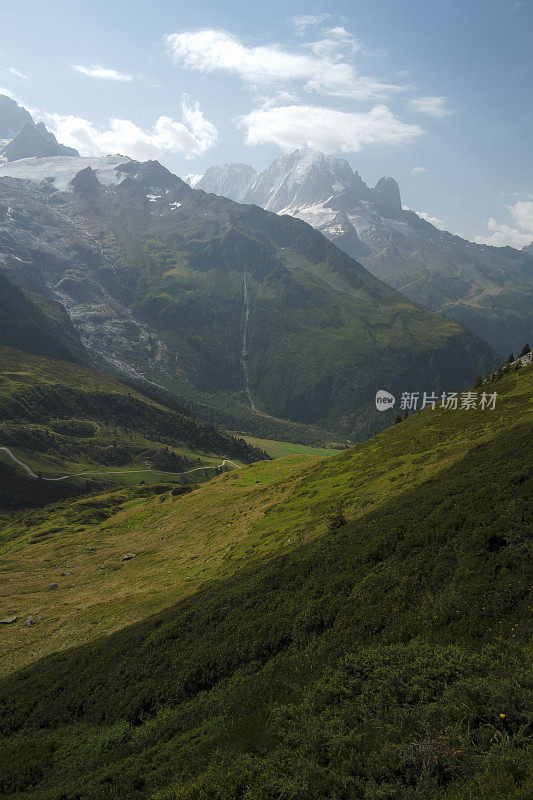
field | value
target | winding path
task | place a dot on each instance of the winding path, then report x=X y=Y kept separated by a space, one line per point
x=32 y=474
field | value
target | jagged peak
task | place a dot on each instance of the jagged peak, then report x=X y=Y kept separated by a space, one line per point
x=12 y=117
x=34 y=140
x=387 y=192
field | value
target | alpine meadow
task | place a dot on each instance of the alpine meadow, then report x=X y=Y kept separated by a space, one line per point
x=266 y=401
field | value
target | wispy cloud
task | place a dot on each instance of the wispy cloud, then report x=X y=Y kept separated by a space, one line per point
x=516 y=235
x=335 y=44
x=17 y=73
x=432 y=106
x=325 y=129
x=419 y=170
x=438 y=223
x=192 y=136
x=102 y=73
x=216 y=50
x=304 y=21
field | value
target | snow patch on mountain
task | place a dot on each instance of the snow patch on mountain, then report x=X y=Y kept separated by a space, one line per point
x=60 y=170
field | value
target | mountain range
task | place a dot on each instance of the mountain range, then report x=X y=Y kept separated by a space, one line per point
x=219 y=300
x=186 y=615
x=252 y=315
x=489 y=289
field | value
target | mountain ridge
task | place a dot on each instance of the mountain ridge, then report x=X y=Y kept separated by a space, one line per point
x=150 y=269
x=486 y=288
x=21 y=137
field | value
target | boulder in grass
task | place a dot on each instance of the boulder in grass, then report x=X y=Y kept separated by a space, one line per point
x=8 y=620
x=128 y=556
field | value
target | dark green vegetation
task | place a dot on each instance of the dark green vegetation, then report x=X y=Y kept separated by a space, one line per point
x=234 y=415
x=174 y=284
x=386 y=658
x=37 y=325
x=65 y=419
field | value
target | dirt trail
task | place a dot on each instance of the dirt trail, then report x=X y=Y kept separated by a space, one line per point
x=32 y=474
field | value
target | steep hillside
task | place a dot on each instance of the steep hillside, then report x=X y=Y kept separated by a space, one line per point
x=215 y=530
x=385 y=656
x=37 y=325
x=64 y=425
x=228 y=304
x=489 y=289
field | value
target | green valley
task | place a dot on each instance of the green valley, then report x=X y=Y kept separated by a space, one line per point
x=78 y=430
x=379 y=654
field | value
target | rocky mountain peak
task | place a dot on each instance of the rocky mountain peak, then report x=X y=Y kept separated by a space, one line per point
x=34 y=140
x=300 y=179
x=230 y=180
x=12 y=117
x=151 y=176
x=387 y=194
x=85 y=183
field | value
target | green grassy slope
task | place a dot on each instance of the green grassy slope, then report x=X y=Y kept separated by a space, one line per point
x=488 y=289
x=63 y=419
x=242 y=516
x=277 y=449
x=385 y=659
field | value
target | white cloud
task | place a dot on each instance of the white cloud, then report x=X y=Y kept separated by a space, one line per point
x=192 y=178
x=336 y=44
x=102 y=73
x=432 y=106
x=193 y=136
x=438 y=223
x=17 y=73
x=325 y=129
x=281 y=98
x=522 y=213
x=503 y=234
x=419 y=169
x=215 y=50
x=305 y=21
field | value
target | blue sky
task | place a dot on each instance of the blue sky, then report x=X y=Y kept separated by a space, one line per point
x=437 y=95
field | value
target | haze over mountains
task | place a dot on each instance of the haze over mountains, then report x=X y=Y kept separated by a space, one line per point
x=489 y=289
x=227 y=304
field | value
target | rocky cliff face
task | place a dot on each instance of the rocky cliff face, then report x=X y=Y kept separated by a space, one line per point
x=229 y=180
